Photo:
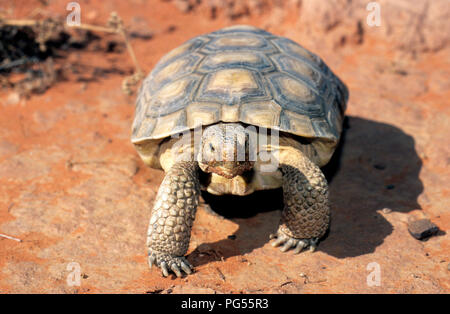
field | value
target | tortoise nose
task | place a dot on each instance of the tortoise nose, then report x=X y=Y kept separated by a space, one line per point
x=229 y=165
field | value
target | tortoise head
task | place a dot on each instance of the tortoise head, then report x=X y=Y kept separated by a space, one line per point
x=225 y=150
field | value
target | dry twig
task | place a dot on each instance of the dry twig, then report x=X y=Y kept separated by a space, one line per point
x=9 y=237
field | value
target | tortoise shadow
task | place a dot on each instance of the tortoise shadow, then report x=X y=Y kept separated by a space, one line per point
x=374 y=167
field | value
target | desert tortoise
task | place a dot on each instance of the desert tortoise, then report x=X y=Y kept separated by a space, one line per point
x=230 y=85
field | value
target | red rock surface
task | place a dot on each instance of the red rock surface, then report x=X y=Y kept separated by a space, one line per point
x=74 y=190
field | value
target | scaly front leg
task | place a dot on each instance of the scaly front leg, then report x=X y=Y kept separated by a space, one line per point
x=173 y=214
x=306 y=214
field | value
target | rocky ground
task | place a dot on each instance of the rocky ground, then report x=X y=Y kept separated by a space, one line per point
x=73 y=188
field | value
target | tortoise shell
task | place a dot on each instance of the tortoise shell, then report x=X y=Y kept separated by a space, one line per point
x=241 y=74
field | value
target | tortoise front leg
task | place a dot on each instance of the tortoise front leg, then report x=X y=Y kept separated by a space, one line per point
x=306 y=214
x=173 y=214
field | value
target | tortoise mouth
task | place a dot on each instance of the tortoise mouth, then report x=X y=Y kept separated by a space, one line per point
x=226 y=171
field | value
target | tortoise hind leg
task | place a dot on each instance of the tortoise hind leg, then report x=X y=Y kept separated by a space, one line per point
x=306 y=215
x=172 y=217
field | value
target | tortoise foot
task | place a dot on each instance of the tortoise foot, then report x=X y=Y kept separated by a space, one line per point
x=288 y=242
x=167 y=263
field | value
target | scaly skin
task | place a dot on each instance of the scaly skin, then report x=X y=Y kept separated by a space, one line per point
x=306 y=214
x=172 y=217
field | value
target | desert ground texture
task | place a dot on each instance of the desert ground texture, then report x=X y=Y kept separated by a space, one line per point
x=75 y=193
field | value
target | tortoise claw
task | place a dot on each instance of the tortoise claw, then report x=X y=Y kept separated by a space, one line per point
x=176 y=270
x=292 y=243
x=164 y=269
x=300 y=246
x=168 y=263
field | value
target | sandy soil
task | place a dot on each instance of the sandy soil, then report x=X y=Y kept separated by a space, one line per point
x=73 y=188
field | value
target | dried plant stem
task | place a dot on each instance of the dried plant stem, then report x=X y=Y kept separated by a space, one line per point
x=132 y=55
x=9 y=237
x=93 y=28
x=19 y=23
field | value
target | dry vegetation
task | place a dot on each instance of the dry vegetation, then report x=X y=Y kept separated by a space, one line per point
x=29 y=46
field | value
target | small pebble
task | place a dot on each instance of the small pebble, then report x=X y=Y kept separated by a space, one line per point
x=379 y=166
x=421 y=229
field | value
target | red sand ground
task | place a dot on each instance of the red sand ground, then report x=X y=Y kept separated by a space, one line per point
x=74 y=190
